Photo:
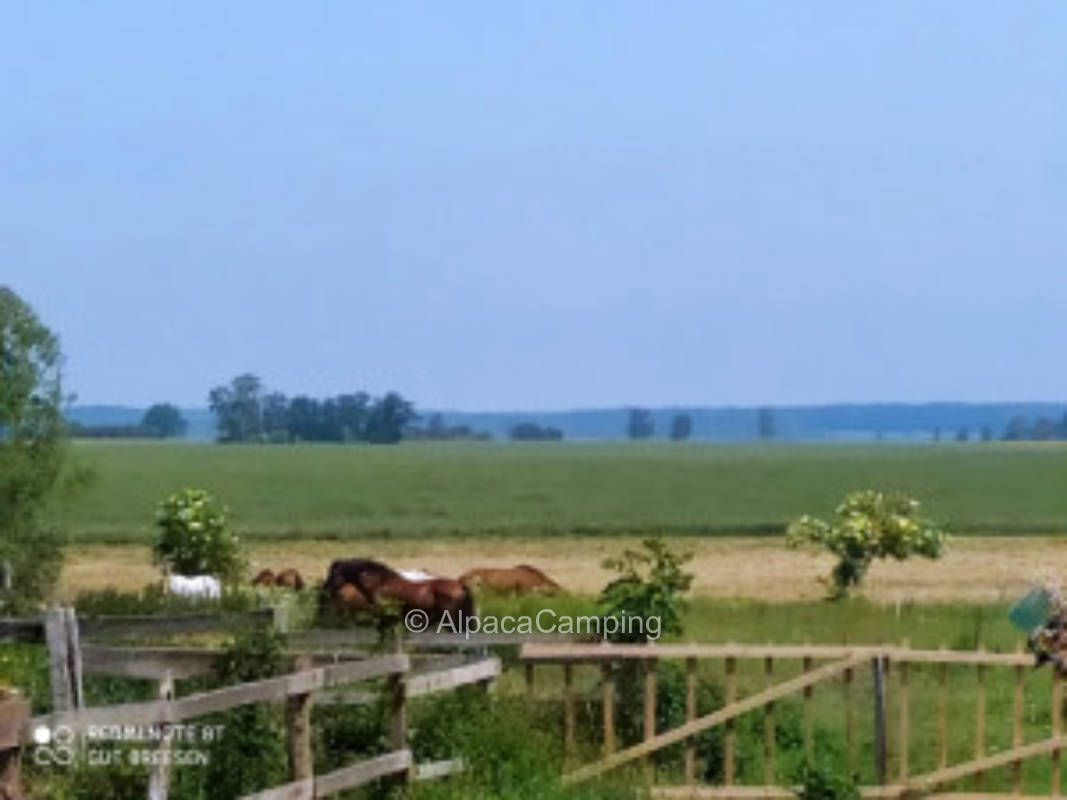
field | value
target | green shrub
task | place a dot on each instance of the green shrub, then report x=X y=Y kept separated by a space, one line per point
x=869 y=525
x=825 y=781
x=650 y=585
x=194 y=536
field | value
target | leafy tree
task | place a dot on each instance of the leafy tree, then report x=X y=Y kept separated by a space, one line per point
x=274 y=417
x=163 y=420
x=869 y=525
x=963 y=435
x=237 y=409
x=987 y=433
x=640 y=424
x=650 y=583
x=34 y=461
x=388 y=418
x=352 y=410
x=681 y=427
x=766 y=425
x=195 y=537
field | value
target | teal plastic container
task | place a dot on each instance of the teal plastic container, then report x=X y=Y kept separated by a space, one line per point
x=1032 y=610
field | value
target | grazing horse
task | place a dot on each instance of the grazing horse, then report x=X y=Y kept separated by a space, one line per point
x=521 y=579
x=358 y=583
x=264 y=578
x=289 y=578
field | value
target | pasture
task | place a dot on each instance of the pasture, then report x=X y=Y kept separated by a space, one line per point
x=424 y=490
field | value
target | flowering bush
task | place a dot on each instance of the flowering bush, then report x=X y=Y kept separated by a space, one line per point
x=194 y=537
x=869 y=525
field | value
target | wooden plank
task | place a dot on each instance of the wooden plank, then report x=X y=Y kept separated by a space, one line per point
x=930 y=780
x=264 y=691
x=606 y=651
x=153 y=663
x=1017 y=729
x=14 y=716
x=398 y=719
x=59 y=676
x=979 y=723
x=298 y=790
x=298 y=731
x=431 y=770
x=881 y=761
x=850 y=721
x=346 y=697
x=690 y=715
x=74 y=653
x=441 y=680
x=769 y=733
x=942 y=715
x=568 y=710
x=649 y=712
x=730 y=738
x=363 y=772
x=713 y=719
x=903 y=724
x=607 y=705
x=367 y=669
x=808 y=719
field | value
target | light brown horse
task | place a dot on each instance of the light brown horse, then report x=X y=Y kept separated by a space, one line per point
x=289 y=578
x=378 y=584
x=521 y=579
x=264 y=578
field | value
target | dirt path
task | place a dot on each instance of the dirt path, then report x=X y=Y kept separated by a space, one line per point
x=986 y=569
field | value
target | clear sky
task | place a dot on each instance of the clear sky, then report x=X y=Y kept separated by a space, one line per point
x=542 y=205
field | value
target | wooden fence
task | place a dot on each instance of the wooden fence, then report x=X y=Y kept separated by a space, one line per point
x=819 y=666
x=324 y=676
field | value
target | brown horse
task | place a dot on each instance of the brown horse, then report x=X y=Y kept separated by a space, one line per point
x=521 y=579
x=377 y=584
x=264 y=578
x=289 y=578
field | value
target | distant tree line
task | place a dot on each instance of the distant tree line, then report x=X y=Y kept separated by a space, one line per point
x=532 y=432
x=437 y=431
x=1041 y=429
x=160 y=421
x=245 y=412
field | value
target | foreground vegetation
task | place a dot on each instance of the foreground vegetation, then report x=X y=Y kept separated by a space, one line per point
x=411 y=490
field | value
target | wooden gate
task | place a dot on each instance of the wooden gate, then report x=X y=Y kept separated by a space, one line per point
x=894 y=679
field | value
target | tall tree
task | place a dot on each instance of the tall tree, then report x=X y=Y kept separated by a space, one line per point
x=163 y=420
x=33 y=452
x=681 y=427
x=766 y=425
x=237 y=409
x=640 y=424
x=387 y=419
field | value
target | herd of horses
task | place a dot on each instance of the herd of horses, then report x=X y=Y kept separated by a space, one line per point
x=360 y=584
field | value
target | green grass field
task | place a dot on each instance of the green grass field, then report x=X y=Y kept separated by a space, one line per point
x=483 y=488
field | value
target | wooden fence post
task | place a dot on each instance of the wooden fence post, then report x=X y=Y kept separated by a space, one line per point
x=904 y=732
x=568 y=709
x=690 y=715
x=298 y=729
x=878 y=672
x=159 y=777
x=64 y=658
x=398 y=710
x=1057 y=728
x=728 y=742
x=650 y=712
x=808 y=719
x=769 y=729
x=608 y=707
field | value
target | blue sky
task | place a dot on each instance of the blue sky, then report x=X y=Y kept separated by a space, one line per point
x=542 y=205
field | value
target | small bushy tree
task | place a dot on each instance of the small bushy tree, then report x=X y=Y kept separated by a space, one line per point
x=195 y=537
x=650 y=583
x=869 y=525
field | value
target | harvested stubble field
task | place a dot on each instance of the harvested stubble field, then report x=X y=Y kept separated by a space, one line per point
x=974 y=569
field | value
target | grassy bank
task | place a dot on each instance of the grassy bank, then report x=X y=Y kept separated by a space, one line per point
x=473 y=489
